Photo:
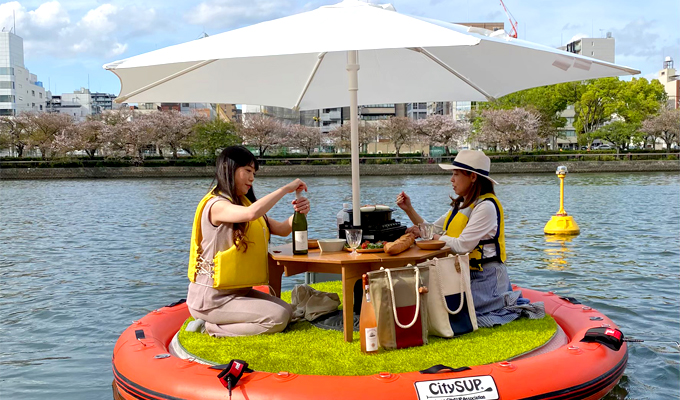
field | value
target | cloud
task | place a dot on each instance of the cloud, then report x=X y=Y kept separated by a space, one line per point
x=571 y=26
x=229 y=14
x=638 y=39
x=49 y=30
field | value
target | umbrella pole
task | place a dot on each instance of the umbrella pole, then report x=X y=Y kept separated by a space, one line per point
x=352 y=68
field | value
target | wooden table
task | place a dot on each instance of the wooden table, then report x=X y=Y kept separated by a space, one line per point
x=351 y=267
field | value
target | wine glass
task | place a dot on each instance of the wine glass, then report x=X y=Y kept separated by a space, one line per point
x=426 y=230
x=353 y=239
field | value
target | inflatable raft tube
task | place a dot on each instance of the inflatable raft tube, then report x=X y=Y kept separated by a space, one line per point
x=565 y=368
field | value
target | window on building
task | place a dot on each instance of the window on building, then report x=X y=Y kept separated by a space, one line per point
x=33 y=104
x=33 y=93
x=41 y=107
x=8 y=98
x=592 y=53
x=21 y=99
x=6 y=85
x=40 y=95
x=5 y=112
x=6 y=71
x=185 y=104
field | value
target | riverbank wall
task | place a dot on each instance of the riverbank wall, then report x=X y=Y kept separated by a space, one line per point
x=335 y=170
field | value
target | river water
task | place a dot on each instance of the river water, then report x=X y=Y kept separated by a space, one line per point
x=81 y=259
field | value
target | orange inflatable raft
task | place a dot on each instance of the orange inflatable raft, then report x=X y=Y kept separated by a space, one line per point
x=565 y=368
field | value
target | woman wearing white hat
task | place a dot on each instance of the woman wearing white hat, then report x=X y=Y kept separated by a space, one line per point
x=475 y=225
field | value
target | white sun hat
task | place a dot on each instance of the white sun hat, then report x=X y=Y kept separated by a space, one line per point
x=473 y=161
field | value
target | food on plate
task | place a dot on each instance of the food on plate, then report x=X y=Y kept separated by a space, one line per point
x=401 y=244
x=366 y=245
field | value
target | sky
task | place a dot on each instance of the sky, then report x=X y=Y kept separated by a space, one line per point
x=66 y=42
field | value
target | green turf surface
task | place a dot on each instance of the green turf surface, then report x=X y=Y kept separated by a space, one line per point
x=304 y=349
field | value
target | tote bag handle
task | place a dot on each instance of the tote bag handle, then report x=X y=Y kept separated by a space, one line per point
x=394 y=304
x=462 y=289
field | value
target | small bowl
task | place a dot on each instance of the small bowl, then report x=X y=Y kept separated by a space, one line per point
x=330 y=245
x=430 y=244
x=312 y=244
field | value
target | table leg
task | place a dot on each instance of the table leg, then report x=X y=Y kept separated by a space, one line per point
x=350 y=274
x=275 y=272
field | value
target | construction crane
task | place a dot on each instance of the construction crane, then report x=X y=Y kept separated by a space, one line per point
x=513 y=21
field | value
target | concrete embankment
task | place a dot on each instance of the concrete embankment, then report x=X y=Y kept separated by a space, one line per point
x=334 y=170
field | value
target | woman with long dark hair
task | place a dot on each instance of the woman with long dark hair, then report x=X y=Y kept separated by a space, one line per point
x=228 y=255
x=475 y=224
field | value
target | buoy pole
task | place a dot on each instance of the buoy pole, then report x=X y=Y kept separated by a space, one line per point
x=561 y=223
x=561 y=211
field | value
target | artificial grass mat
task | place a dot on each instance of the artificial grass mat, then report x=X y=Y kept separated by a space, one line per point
x=305 y=349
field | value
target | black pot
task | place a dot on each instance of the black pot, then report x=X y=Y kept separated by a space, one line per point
x=373 y=218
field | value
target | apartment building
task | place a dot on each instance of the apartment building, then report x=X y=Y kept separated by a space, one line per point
x=20 y=90
x=599 y=48
x=670 y=79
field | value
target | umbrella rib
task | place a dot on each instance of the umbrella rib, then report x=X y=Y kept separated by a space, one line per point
x=161 y=81
x=451 y=70
x=319 y=59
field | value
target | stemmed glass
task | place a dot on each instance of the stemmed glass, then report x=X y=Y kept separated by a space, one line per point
x=353 y=239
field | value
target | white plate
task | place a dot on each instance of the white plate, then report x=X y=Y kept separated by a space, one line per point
x=367 y=209
x=469 y=388
x=381 y=207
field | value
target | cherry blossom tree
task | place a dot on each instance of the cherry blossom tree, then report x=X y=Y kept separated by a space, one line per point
x=89 y=136
x=14 y=134
x=43 y=128
x=172 y=128
x=442 y=130
x=509 y=129
x=307 y=138
x=399 y=130
x=666 y=125
x=127 y=131
x=341 y=136
x=261 y=131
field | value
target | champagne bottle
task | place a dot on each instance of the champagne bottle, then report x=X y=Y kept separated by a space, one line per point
x=368 y=327
x=299 y=230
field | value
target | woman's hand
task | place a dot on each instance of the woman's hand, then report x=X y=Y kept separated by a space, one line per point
x=403 y=201
x=414 y=230
x=301 y=205
x=296 y=185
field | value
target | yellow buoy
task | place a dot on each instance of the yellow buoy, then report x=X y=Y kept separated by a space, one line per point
x=561 y=223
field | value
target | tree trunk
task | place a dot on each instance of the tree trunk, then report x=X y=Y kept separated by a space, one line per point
x=20 y=150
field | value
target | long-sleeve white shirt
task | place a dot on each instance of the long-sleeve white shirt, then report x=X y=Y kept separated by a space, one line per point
x=482 y=225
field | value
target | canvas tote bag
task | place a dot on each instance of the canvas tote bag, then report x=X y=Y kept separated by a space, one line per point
x=400 y=308
x=450 y=308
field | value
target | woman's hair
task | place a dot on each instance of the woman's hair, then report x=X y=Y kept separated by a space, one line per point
x=229 y=160
x=479 y=187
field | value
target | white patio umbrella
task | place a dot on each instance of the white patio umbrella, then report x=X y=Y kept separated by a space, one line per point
x=309 y=61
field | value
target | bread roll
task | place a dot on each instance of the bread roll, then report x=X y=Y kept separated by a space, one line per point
x=401 y=244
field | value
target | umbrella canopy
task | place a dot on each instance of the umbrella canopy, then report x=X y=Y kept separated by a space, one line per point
x=310 y=60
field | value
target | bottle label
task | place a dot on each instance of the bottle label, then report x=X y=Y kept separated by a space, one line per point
x=300 y=240
x=371 y=339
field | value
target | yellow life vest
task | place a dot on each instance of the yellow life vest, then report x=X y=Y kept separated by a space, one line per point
x=455 y=223
x=232 y=268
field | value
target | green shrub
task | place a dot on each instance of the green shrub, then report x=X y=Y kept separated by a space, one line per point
x=320 y=162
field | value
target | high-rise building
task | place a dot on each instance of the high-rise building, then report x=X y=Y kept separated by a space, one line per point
x=669 y=78
x=20 y=90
